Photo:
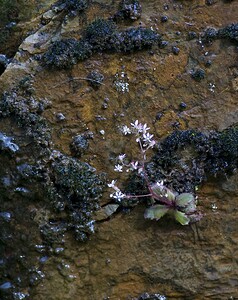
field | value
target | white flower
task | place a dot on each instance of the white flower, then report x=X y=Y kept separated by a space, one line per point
x=145 y=128
x=118 y=168
x=118 y=195
x=147 y=137
x=112 y=184
x=137 y=126
x=126 y=130
x=121 y=157
x=160 y=184
x=134 y=165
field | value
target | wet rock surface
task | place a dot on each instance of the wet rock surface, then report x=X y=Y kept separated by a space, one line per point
x=171 y=65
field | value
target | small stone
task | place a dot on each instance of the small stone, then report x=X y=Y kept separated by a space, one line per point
x=164 y=19
x=6 y=216
x=60 y=117
x=6 y=286
x=208 y=63
x=192 y=35
x=158 y=116
x=183 y=105
x=163 y=44
x=175 y=50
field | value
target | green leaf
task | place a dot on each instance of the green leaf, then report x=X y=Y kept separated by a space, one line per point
x=156 y=212
x=184 y=199
x=157 y=188
x=181 y=217
x=170 y=195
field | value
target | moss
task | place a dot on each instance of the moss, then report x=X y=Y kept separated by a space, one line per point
x=188 y=157
x=128 y=9
x=26 y=110
x=229 y=32
x=198 y=74
x=222 y=155
x=71 y=7
x=134 y=39
x=78 y=5
x=100 y=35
x=79 y=145
x=71 y=187
x=53 y=232
x=75 y=187
x=209 y=35
x=62 y=54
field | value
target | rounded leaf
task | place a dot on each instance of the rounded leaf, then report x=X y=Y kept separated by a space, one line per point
x=156 y=212
x=185 y=199
x=181 y=217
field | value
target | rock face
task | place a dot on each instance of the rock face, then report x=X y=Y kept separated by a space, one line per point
x=66 y=93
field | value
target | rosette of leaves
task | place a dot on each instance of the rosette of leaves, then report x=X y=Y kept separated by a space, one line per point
x=181 y=206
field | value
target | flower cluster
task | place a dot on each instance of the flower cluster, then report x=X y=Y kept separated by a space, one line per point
x=145 y=141
x=142 y=136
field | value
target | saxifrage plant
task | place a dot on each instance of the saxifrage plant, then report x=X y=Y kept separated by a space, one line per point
x=162 y=199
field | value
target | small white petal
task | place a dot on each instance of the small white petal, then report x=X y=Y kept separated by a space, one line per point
x=118 y=168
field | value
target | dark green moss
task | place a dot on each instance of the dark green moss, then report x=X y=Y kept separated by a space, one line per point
x=209 y=35
x=100 y=35
x=230 y=32
x=77 y=5
x=75 y=187
x=79 y=145
x=188 y=157
x=128 y=9
x=70 y=186
x=71 y=7
x=27 y=111
x=198 y=74
x=135 y=39
x=62 y=54
x=185 y=159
